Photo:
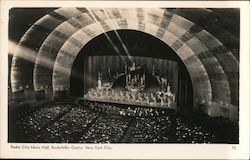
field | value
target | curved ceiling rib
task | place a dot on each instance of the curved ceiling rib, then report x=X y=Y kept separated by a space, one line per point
x=21 y=68
x=51 y=46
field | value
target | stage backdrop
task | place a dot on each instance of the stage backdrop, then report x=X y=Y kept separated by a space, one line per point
x=116 y=64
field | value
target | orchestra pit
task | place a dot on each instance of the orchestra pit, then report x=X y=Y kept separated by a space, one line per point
x=123 y=75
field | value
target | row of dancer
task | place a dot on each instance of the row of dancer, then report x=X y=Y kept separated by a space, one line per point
x=162 y=99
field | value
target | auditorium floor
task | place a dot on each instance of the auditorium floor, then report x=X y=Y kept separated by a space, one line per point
x=69 y=123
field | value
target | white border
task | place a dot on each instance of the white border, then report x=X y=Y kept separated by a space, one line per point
x=128 y=151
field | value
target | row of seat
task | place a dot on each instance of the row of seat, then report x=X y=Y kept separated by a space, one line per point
x=94 y=122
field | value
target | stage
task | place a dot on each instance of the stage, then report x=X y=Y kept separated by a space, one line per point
x=150 y=105
x=136 y=85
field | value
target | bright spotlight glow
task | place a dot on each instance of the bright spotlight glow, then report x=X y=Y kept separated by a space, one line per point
x=118 y=36
x=21 y=52
x=27 y=54
x=106 y=35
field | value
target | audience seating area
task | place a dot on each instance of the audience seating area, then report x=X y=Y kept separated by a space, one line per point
x=125 y=110
x=34 y=121
x=106 y=130
x=192 y=132
x=67 y=128
x=94 y=122
x=150 y=130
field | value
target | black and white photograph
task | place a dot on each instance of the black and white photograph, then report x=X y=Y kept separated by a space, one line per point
x=124 y=75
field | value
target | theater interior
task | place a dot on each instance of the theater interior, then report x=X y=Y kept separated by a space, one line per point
x=123 y=75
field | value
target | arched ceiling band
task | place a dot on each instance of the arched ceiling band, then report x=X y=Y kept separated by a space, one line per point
x=21 y=68
x=155 y=17
x=61 y=78
x=226 y=92
x=215 y=24
x=67 y=87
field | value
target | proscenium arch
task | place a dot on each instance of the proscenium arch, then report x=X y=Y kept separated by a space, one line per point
x=127 y=24
x=143 y=48
x=63 y=78
x=174 y=38
x=215 y=83
x=163 y=18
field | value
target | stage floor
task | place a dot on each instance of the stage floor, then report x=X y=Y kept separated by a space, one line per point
x=127 y=103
